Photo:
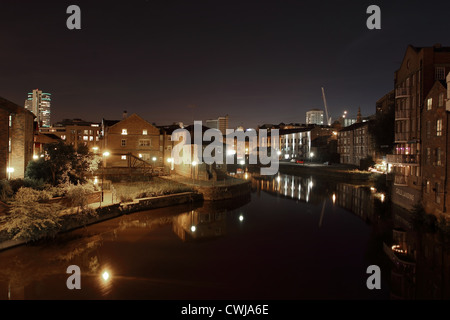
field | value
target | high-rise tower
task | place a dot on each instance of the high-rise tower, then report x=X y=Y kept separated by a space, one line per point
x=39 y=103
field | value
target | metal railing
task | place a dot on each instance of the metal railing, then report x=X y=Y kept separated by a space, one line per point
x=403 y=158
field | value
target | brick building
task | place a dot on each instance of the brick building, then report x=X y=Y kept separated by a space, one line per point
x=16 y=139
x=356 y=143
x=420 y=68
x=76 y=132
x=435 y=149
x=130 y=141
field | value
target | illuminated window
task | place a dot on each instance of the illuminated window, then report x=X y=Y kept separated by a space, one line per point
x=124 y=132
x=144 y=132
x=91 y=138
x=86 y=131
x=123 y=143
x=9 y=145
x=123 y=157
x=429 y=103
x=85 y=138
x=63 y=137
x=439 y=127
x=144 y=143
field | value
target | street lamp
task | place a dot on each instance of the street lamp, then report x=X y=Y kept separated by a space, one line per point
x=311 y=155
x=194 y=163
x=105 y=154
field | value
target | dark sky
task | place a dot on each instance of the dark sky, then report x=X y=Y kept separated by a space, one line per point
x=257 y=61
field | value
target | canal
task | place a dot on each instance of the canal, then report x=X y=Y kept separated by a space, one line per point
x=292 y=238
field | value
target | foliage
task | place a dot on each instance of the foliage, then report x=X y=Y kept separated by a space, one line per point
x=157 y=187
x=16 y=184
x=6 y=192
x=63 y=164
x=29 y=219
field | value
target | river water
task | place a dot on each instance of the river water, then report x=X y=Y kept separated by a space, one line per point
x=292 y=238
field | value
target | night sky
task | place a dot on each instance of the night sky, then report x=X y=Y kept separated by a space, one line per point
x=257 y=61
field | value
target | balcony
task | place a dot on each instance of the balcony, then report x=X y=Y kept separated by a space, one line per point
x=402 y=93
x=402 y=136
x=404 y=159
x=402 y=114
x=400 y=180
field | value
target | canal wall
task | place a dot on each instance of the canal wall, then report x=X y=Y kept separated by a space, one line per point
x=74 y=221
x=216 y=193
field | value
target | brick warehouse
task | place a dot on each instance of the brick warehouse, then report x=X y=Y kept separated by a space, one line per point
x=16 y=139
x=434 y=160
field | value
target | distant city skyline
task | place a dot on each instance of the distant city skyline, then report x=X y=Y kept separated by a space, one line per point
x=185 y=61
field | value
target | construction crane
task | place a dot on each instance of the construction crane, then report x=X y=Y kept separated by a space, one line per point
x=326 y=108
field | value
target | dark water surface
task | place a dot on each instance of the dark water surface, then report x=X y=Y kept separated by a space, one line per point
x=293 y=238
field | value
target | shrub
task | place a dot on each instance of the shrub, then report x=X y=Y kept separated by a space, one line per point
x=29 y=219
x=6 y=192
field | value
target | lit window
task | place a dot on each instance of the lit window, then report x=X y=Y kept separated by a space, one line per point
x=438 y=157
x=86 y=131
x=144 y=132
x=85 y=138
x=439 y=127
x=63 y=137
x=91 y=138
x=124 y=132
x=123 y=143
x=144 y=143
x=429 y=103
x=124 y=157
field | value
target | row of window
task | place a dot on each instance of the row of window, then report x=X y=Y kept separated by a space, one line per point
x=440 y=101
x=438 y=128
x=436 y=189
x=437 y=156
x=142 y=143
x=125 y=132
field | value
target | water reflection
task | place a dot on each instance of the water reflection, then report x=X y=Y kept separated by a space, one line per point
x=157 y=254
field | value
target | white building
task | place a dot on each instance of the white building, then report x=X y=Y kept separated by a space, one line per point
x=314 y=116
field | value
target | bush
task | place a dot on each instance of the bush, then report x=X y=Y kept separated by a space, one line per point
x=6 y=192
x=29 y=219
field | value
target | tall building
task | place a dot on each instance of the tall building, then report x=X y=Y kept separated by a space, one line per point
x=39 y=103
x=16 y=139
x=220 y=123
x=314 y=116
x=420 y=68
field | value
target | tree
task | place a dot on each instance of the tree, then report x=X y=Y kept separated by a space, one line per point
x=29 y=219
x=63 y=164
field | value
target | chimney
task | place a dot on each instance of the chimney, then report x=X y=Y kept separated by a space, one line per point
x=125 y=114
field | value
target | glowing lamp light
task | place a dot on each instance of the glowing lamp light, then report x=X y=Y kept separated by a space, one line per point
x=95 y=148
x=193 y=228
x=10 y=170
x=106 y=154
x=154 y=158
x=194 y=163
x=279 y=153
x=334 y=198
x=35 y=157
x=242 y=162
x=169 y=160
x=106 y=275
x=241 y=218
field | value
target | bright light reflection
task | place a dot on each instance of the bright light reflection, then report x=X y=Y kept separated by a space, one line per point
x=241 y=218
x=105 y=275
x=334 y=198
x=193 y=228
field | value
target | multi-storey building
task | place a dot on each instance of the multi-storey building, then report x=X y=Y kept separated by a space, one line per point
x=420 y=68
x=356 y=143
x=435 y=150
x=297 y=143
x=16 y=139
x=77 y=132
x=131 y=140
x=314 y=116
x=39 y=103
x=220 y=123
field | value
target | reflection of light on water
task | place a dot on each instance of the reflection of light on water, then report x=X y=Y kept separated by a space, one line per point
x=105 y=276
x=246 y=176
x=382 y=197
x=334 y=198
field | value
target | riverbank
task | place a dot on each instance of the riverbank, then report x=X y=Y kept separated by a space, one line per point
x=72 y=221
x=216 y=190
